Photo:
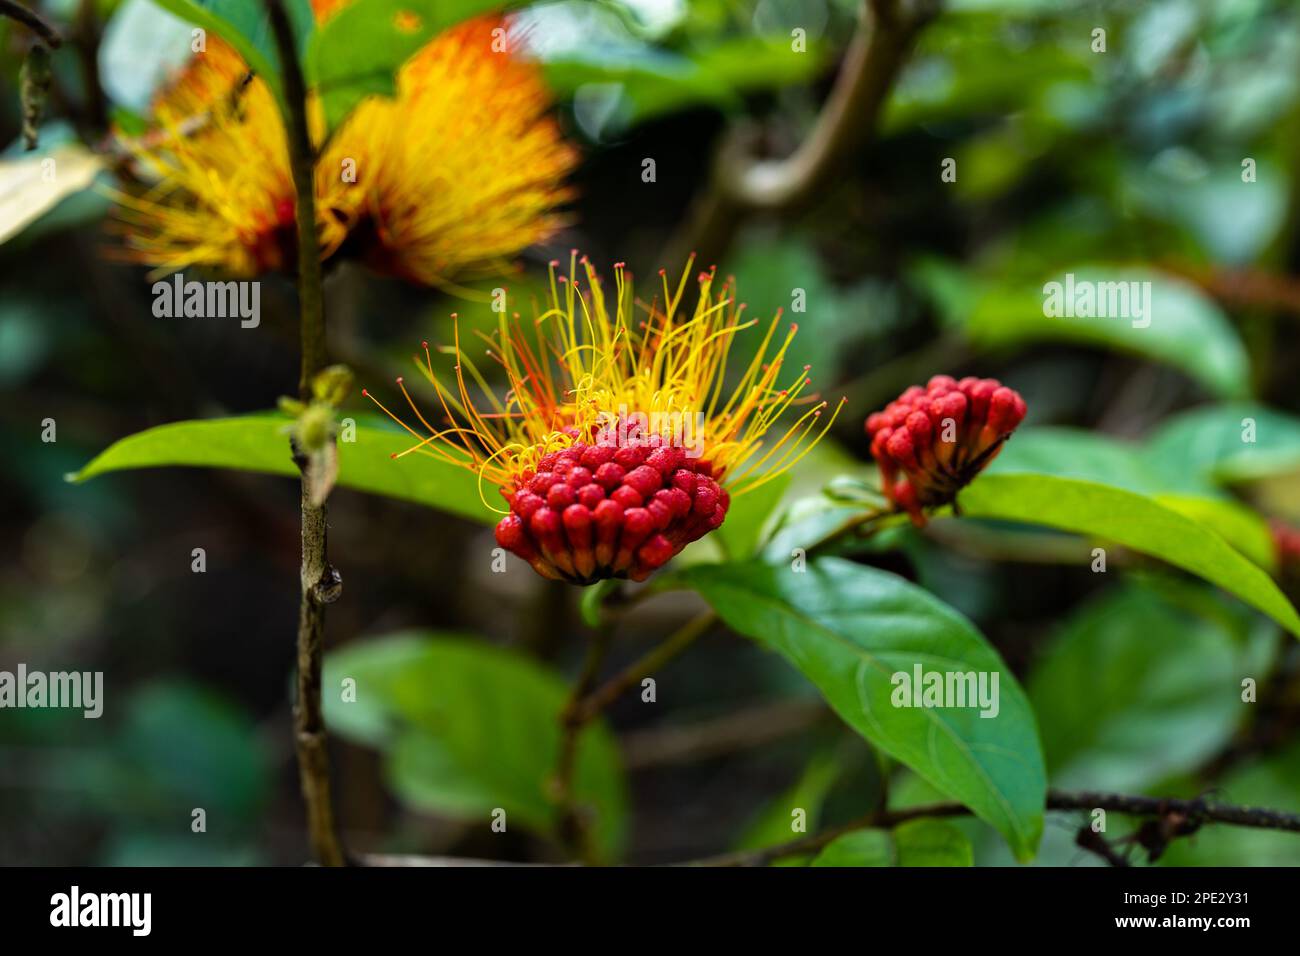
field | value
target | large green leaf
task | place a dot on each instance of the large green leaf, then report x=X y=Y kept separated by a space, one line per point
x=849 y=629
x=915 y=843
x=1130 y=519
x=243 y=24
x=1075 y=453
x=468 y=727
x=259 y=443
x=359 y=50
x=1135 y=690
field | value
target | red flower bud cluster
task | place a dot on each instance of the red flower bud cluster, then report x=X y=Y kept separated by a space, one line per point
x=602 y=510
x=1286 y=541
x=931 y=442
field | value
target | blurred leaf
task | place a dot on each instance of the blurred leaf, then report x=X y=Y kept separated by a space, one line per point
x=469 y=727
x=772 y=825
x=259 y=443
x=914 y=843
x=1187 y=329
x=652 y=81
x=748 y=515
x=1208 y=444
x=1134 y=690
x=358 y=52
x=848 y=629
x=194 y=745
x=1132 y=520
x=34 y=184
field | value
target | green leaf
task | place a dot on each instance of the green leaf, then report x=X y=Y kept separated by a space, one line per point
x=468 y=727
x=359 y=50
x=1186 y=330
x=1078 y=453
x=849 y=629
x=244 y=25
x=1135 y=690
x=1132 y=520
x=773 y=824
x=260 y=443
x=1075 y=453
x=748 y=515
x=915 y=843
x=1212 y=443
x=652 y=81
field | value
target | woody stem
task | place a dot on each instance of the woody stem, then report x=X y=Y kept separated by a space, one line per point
x=320 y=583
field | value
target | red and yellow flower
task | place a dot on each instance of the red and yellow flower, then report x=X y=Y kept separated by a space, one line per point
x=589 y=445
x=458 y=172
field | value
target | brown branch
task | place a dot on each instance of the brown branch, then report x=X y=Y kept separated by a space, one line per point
x=573 y=827
x=1188 y=813
x=320 y=582
x=33 y=21
x=634 y=673
x=742 y=184
x=745 y=729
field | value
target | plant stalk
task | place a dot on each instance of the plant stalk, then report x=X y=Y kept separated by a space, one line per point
x=320 y=582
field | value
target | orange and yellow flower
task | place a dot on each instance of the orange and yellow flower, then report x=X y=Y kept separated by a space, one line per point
x=457 y=173
x=618 y=441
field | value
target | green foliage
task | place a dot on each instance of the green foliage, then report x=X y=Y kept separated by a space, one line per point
x=1129 y=519
x=1186 y=329
x=652 y=81
x=749 y=513
x=773 y=824
x=1210 y=444
x=914 y=843
x=260 y=443
x=848 y=629
x=1271 y=782
x=1139 y=468
x=1134 y=690
x=467 y=727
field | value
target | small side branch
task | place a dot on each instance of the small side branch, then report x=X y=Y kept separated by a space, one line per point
x=1181 y=818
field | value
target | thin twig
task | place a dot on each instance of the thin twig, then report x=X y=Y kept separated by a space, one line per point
x=634 y=673
x=572 y=825
x=741 y=184
x=321 y=583
x=1197 y=811
x=33 y=21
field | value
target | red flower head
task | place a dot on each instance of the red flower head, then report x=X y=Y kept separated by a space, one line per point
x=940 y=437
